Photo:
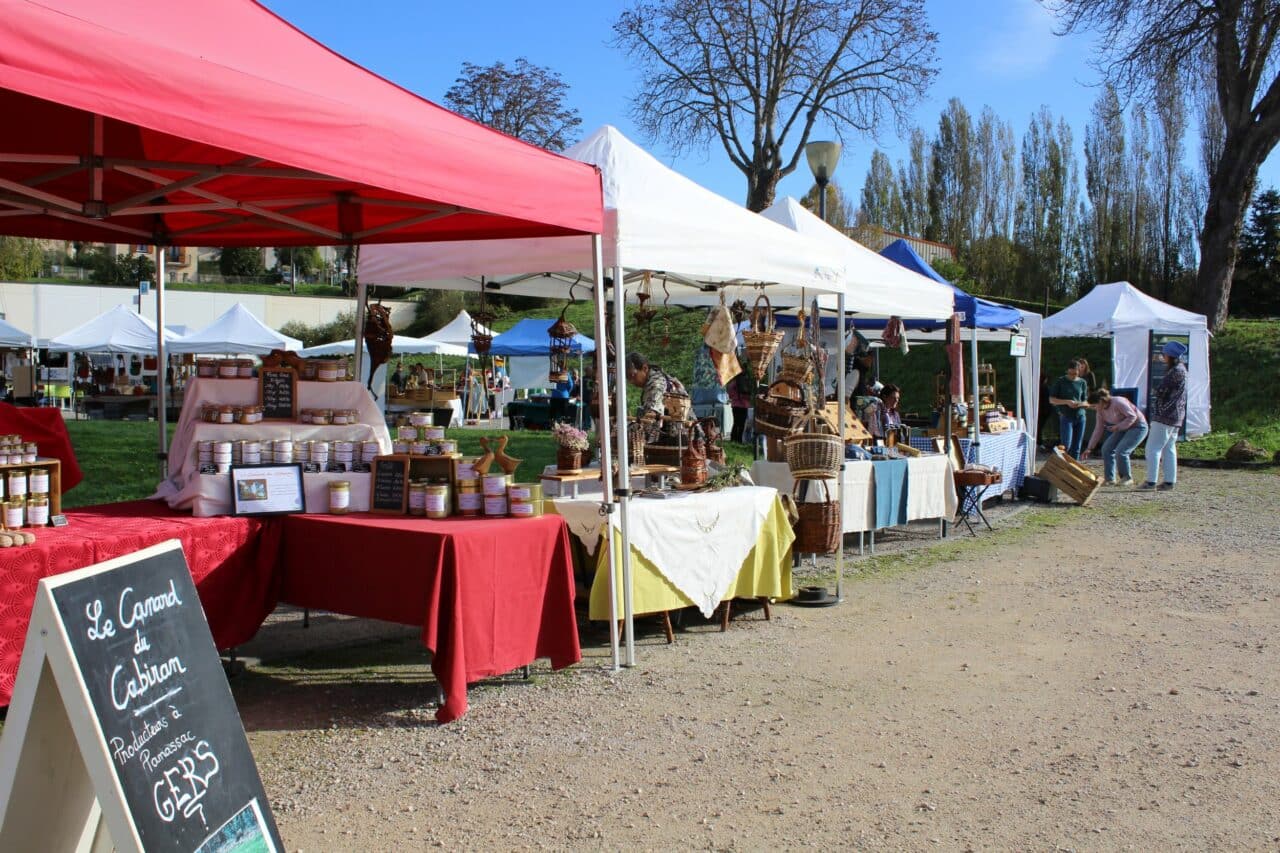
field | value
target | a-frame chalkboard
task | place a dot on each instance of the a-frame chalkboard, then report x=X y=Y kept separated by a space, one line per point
x=122 y=727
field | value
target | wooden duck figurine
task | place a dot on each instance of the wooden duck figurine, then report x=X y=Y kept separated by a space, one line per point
x=508 y=464
x=486 y=460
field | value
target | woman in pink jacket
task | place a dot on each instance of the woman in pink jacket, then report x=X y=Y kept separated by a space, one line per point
x=1125 y=428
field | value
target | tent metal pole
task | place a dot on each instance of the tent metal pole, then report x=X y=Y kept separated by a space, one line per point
x=162 y=367
x=606 y=452
x=840 y=426
x=624 y=459
x=974 y=413
x=362 y=291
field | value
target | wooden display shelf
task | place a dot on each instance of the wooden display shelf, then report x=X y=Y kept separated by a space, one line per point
x=54 y=467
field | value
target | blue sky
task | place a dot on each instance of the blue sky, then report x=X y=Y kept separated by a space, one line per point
x=997 y=52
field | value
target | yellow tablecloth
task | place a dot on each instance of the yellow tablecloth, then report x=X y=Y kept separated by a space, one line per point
x=766 y=571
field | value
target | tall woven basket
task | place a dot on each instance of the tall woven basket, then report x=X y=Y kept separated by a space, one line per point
x=818 y=529
x=816 y=451
x=762 y=340
x=797 y=358
x=779 y=414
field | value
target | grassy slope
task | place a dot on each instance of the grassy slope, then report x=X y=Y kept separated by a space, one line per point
x=117 y=457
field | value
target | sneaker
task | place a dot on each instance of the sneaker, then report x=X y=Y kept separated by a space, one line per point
x=1108 y=482
x=1128 y=482
x=1147 y=487
x=1165 y=487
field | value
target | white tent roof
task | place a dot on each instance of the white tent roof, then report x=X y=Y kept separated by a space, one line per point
x=12 y=336
x=457 y=333
x=874 y=284
x=236 y=331
x=119 y=330
x=401 y=344
x=655 y=219
x=1111 y=307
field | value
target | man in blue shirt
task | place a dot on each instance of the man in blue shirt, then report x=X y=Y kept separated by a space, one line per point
x=1068 y=395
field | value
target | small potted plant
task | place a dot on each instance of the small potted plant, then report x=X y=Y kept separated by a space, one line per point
x=571 y=447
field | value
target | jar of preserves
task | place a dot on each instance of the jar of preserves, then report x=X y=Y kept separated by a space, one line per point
x=339 y=497
x=17 y=484
x=438 y=502
x=15 y=512
x=417 y=499
x=38 y=483
x=38 y=510
x=226 y=414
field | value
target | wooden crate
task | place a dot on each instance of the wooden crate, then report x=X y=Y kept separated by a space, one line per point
x=1071 y=478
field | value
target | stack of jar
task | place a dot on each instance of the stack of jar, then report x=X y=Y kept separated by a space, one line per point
x=216 y=453
x=15 y=451
x=524 y=500
x=470 y=498
x=226 y=368
x=495 y=494
x=417 y=437
x=26 y=503
x=324 y=417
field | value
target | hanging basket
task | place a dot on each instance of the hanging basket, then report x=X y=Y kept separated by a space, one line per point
x=761 y=339
x=481 y=343
x=797 y=359
x=816 y=452
x=780 y=409
x=818 y=529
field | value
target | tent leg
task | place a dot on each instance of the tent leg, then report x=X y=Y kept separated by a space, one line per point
x=606 y=451
x=840 y=426
x=162 y=368
x=975 y=415
x=362 y=291
x=624 y=460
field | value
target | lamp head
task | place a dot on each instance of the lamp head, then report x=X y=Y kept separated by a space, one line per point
x=823 y=157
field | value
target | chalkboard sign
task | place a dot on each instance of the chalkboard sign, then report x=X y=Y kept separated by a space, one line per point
x=389 y=486
x=278 y=393
x=153 y=705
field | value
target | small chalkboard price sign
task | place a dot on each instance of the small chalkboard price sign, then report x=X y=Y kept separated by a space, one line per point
x=278 y=393
x=122 y=728
x=389 y=485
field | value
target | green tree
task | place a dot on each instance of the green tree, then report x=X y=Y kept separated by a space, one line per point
x=881 y=194
x=1046 y=210
x=839 y=210
x=123 y=270
x=914 y=180
x=241 y=261
x=525 y=101
x=304 y=259
x=759 y=76
x=1106 y=181
x=1256 y=290
x=20 y=258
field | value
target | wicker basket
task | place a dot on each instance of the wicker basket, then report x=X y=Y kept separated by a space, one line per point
x=662 y=454
x=778 y=415
x=797 y=359
x=761 y=340
x=818 y=529
x=677 y=406
x=815 y=453
x=635 y=446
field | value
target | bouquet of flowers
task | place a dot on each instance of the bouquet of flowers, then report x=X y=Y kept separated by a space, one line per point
x=570 y=437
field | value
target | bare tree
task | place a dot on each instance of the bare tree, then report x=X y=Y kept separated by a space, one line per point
x=525 y=101
x=1228 y=41
x=757 y=75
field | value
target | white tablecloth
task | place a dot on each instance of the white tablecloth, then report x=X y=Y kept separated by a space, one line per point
x=210 y=494
x=698 y=540
x=930 y=489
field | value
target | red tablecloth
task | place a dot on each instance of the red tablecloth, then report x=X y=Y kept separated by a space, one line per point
x=232 y=560
x=47 y=429
x=491 y=595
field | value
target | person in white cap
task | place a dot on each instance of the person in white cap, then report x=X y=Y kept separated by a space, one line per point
x=1168 y=407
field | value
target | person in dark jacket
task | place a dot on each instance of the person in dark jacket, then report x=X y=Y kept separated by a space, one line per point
x=1168 y=409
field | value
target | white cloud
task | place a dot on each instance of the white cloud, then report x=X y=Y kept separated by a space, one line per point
x=1018 y=43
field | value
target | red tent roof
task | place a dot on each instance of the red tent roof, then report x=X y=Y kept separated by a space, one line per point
x=219 y=124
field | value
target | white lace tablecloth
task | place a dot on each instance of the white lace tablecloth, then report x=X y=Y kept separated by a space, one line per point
x=210 y=494
x=698 y=540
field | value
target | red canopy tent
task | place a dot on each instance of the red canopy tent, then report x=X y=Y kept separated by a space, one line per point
x=221 y=124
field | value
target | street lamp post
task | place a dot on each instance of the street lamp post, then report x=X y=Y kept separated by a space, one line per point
x=823 y=157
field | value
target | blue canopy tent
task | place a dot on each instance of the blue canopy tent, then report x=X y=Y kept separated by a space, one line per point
x=527 y=346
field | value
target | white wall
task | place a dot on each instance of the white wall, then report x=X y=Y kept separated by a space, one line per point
x=62 y=307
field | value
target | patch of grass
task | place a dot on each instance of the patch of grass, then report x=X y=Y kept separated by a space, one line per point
x=118 y=459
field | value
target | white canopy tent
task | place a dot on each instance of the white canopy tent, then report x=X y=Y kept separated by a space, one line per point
x=236 y=331
x=656 y=220
x=874 y=285
x=457 y=332
x=400 y=345
x=1129 y=317
x=120 y=330
x=12 y=336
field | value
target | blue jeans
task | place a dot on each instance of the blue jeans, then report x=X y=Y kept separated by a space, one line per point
x=1163 y=447
x=1117 y=448
x=1071 y=429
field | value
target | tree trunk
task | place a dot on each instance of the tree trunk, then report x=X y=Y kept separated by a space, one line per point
x=762 y=186
x=1229 y=192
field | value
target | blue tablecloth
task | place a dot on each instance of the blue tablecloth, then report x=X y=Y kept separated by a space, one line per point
x=891 y=492
x=1004 y=451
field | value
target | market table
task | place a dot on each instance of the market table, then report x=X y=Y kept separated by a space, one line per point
x=927 y=492
x=232 y=561
x=1006 y=452
x=491 y=595
x=697 y=549
x=48 y=430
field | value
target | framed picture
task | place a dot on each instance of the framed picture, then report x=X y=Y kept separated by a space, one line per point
x=267 y=489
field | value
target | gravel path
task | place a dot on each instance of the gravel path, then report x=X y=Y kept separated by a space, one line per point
x=1104 y=678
